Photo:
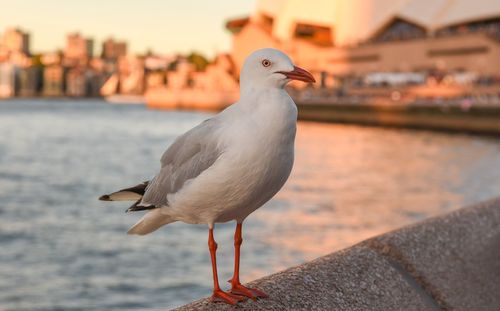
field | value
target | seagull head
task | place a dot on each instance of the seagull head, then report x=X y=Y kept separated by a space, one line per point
x=271 y=68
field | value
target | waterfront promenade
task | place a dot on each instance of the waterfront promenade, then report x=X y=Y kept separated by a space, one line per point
x=450 y=117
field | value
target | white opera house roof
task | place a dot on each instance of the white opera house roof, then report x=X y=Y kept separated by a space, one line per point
x=353 y=21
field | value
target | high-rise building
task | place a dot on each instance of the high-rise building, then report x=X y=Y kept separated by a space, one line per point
x=14 y=40
x=78 y=48
x=112 y=50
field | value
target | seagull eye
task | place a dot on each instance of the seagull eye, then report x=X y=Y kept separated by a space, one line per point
x=266 y=63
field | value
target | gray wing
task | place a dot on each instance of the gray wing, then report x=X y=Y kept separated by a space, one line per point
x=189 y=155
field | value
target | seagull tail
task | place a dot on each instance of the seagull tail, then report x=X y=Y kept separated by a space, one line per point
x=128 y=194
x=150 y=222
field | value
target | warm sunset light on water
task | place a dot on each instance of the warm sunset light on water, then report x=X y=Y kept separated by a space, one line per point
x=357 y=182
x=349 y=183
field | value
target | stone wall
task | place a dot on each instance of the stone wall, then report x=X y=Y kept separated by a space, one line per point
x=450 y=262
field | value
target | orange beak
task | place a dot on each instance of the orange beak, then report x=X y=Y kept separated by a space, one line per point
x=298 y=74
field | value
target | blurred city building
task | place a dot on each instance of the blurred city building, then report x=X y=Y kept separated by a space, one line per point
x=72 y=72
x=131 y=73
x=53 y=80
x=156 y=67
x=188 y=88
x=29 y=81
x=14 y=40
x=112 y=50
x=7 y=80
x=15 y=47
x=14 y=60
x=76 y=82
x=78 y=49
x=127 y=82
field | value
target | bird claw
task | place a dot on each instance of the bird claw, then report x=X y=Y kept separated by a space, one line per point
x=249 y=292
x=229 y=298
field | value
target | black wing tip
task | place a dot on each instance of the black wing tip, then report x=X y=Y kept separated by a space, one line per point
x=105 y=197
x=136 y=208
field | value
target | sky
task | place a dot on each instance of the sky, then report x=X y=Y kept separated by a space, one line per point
x=164 y=26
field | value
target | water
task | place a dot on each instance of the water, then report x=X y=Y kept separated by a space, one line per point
x=61 y=249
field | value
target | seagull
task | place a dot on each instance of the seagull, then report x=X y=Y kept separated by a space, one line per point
x=229 y=165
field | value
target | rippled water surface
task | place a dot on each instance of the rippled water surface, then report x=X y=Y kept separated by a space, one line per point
x=61 y=249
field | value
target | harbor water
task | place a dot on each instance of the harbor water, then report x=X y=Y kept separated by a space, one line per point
x=62 y=249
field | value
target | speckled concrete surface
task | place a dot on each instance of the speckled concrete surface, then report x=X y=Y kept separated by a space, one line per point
x=356 y=279
x=455 y=258
x=446 y=263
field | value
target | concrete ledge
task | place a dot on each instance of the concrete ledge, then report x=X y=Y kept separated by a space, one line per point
x=450 y=262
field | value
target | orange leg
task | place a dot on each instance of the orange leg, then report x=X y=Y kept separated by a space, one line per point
x=236 y=287
x=218 y=294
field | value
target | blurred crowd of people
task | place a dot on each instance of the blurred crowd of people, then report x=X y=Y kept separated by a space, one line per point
x=431 y=77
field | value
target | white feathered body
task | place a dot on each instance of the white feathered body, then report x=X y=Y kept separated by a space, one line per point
x=257 y=139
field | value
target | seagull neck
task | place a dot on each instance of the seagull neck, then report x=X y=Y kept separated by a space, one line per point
x=265 y=100
x=253 y=90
